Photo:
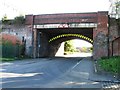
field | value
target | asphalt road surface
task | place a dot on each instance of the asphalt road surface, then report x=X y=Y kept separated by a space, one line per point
x=49 y=73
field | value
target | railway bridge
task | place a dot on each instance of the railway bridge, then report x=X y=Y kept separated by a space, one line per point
x=50 y=30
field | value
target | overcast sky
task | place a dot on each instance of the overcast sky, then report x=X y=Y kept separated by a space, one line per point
x=14 y=8
x=81 y=43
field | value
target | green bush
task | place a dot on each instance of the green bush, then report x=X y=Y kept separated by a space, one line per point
x=10 y=50
x=112 y=64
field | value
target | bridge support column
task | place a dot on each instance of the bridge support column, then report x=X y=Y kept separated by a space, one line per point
x=100 y=36
x=54 y=47
x=34 y=42
x=42 y=45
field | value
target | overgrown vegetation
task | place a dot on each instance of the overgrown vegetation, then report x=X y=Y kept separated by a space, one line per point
x=13 y=58
x=68 y=47
x=0 y=30
x=11 y=47
x=6 y=59
x=19 y=20
x=111 y=64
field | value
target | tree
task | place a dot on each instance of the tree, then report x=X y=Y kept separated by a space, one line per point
x=69 y=46
x=115 y=12
x=4 y=19
x=115 y=8
x=19 y=20
x=117 y=5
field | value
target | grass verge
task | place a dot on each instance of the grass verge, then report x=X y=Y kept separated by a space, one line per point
x=7 y=59
x=2 y=59
x=110 y=65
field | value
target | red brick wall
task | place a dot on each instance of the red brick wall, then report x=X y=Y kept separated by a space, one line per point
x=102 y=21
x=116 y=47
x=62 y=18
x=113 y=37
x=29 y=19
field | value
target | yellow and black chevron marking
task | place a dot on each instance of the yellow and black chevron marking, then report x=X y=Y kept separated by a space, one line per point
x=67 y=35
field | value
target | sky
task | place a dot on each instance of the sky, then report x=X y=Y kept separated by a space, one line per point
x=14 y=8
x=81 y=43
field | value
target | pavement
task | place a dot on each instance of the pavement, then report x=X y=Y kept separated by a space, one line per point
x=52 y=73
